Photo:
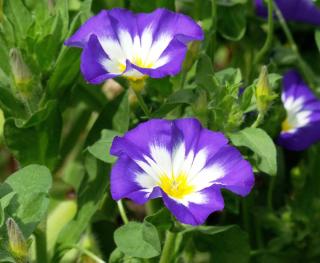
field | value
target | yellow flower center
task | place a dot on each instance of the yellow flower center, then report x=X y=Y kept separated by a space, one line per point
x=286 y=126
x=176 y=187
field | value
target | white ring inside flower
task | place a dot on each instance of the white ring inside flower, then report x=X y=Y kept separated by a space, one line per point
x=297 y=117
x=180 y=176
x=144 y=52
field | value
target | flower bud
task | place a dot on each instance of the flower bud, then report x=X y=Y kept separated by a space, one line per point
x=21 y=72
x=264 y=94
x=17 y=243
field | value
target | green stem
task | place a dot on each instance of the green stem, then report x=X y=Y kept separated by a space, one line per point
x=307 y=72
x=258 y=121
x=41 y=244
x=269 y=38
x=122 y=212
x=142 y=104
x=168 y=248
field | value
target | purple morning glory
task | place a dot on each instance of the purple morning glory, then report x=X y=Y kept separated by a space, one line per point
x=181 y=162
x=304 y=11
x=118 y=42
x=301 y=128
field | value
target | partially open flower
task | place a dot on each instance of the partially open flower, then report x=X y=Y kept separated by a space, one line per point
x=301 y=127
x=119 y=43
x=181 y=162
x=304 y=11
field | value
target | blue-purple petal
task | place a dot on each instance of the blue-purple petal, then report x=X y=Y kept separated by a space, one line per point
x=304 y=11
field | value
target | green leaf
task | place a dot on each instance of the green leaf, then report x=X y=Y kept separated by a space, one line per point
x=106 y=119
x=204 y=71
x=1 y=215
x=162 y=220
x=121 y=118
x=90 y=197
x=20 y=17
x=149 y=6
x=65 y=72
x=186 y=96
x=261 y=144
x=232 y=21
x=36 y=140
x=226 y=244
x=138 y=240
x=10 y=104
x=101 y=149
x=30 y=202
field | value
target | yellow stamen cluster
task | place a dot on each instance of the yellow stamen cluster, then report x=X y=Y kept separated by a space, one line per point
x=176 y=186
x=286 y=126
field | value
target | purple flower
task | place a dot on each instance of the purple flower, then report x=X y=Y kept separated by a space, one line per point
x=304 y=11
x=181 y=162
x=301 y=128
x=119 y=43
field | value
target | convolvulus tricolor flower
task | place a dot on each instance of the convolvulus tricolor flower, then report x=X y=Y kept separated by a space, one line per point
x=118 y=42
x=301 y=128
x=304 y=11
x=182 y=162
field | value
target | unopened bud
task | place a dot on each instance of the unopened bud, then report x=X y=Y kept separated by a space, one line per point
x=17 y=243
x=264 y=94
x=191 y=56
x=21 y=72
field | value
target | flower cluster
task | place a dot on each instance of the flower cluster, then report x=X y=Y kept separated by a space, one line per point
x=120 y=43
x=179 y=160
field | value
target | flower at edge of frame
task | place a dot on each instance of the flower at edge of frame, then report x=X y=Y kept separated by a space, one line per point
x=301 y=127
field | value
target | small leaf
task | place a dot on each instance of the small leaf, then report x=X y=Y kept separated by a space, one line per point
x=260 y=143
x=29 y=205
x=226 y=244
x=19 y=15
x=101 y=149
x=138 y=240
x=161 y=220
x=121 y=118
x=38 y=139
x=186 y=96
x=232 y=21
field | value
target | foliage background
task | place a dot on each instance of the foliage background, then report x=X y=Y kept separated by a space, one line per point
x=57 y=130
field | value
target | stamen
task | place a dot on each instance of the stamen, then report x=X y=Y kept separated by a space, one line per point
x=176 y=187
